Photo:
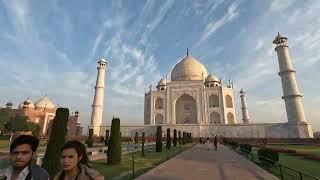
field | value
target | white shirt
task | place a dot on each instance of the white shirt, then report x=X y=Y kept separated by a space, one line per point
x=22 y=176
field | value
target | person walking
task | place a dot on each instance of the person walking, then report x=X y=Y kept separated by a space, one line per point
x=22 y=166
x=74 y=163
x=215 y=142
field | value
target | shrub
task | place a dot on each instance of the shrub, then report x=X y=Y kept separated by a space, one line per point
x=159 y=139
x=51 y=160
x=174 y=137
x=106 y=140
x=246 y=148
x=168 y=142
x=179 y=138
x=268 y=156
x=142 y=144
x=114 y=149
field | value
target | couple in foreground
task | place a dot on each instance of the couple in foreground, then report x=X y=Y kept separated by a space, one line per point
x=73 y=160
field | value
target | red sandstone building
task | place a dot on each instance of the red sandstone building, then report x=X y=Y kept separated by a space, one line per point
x=42 y=112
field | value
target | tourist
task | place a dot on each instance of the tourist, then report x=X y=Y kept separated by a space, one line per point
x=215 y=142
x=74 y=163
x=22 y=166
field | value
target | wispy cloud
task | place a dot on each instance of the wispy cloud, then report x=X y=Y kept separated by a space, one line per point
x=213 y=26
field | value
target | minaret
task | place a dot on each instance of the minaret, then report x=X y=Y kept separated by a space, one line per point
x=97 y=106
x=244 y=107
x=291 y=93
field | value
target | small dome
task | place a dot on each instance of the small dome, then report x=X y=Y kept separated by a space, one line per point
x=44 y=102
x=212 y=78
x=162 y=82
x=279 y=36
x=103 y=60
x=188 y=69
x=26 y=104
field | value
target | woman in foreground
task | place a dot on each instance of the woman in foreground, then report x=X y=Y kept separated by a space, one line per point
x=74 y=163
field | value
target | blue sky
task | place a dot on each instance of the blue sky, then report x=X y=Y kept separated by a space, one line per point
x=53 y=47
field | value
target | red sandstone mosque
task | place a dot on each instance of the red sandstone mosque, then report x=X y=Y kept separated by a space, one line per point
x=42 y=112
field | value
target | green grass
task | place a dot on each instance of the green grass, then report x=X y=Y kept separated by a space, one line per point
x=312 y=149
x=307 y=166
x=141 y=164
x=5 y=143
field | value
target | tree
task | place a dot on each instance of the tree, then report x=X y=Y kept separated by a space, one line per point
x=106 y=141
x=34 y=128
x=17 y=124
x=168 y=143
x=174 y=137
x=179 y=137
x=114 y=152
x=51 y=160
x=142 y=144
x=159 y=139
x=5 y=117
x=136 y=138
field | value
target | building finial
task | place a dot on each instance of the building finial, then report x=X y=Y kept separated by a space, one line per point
x=187 y=52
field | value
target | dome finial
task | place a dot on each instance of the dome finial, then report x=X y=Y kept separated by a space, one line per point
x=187 y=52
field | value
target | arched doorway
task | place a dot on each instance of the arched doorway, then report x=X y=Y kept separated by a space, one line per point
x=186 y=110
x=158 y=119
x=230 y=118
x=215 y=118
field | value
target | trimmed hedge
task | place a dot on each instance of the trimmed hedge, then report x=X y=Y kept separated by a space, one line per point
x=179 y=138
x=159 y=139
x=142 y=144
x=106 y=140
x=269 y=156
x=51 y=160
x=246 y=148
x=168 y=142
x=89 y=141
x=174 y=137
x=114 y=152
x=136 y=138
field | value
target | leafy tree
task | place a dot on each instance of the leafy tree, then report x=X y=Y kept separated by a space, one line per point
x=51 y=160
x=114 y=152
x=174 y=137
x=168 y=143
x=159 y=139
x=17 y=124
x=5 y=117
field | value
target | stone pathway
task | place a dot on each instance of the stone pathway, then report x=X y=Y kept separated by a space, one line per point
x=198 y=163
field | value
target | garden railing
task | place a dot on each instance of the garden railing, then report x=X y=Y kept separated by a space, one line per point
x=276 y=168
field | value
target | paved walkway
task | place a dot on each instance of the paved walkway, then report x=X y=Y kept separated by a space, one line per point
x=198 y=163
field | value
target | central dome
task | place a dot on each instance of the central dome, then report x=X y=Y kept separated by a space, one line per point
x=188 y=69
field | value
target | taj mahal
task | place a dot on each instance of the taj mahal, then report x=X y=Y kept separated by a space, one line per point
x=196 y=101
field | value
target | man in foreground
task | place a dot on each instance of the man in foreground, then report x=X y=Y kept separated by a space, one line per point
x=22 y=150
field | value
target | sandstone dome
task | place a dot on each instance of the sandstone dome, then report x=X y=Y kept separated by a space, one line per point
x=188 y=69
x=44 y=102
x=26 y=104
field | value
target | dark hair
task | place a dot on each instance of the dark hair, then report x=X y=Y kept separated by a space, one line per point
x=25 y=139
x=80 y=149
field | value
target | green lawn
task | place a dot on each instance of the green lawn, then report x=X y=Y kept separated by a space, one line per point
x=141 y=164
x=5 y=143
x=311 y=167
x=312 y=149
